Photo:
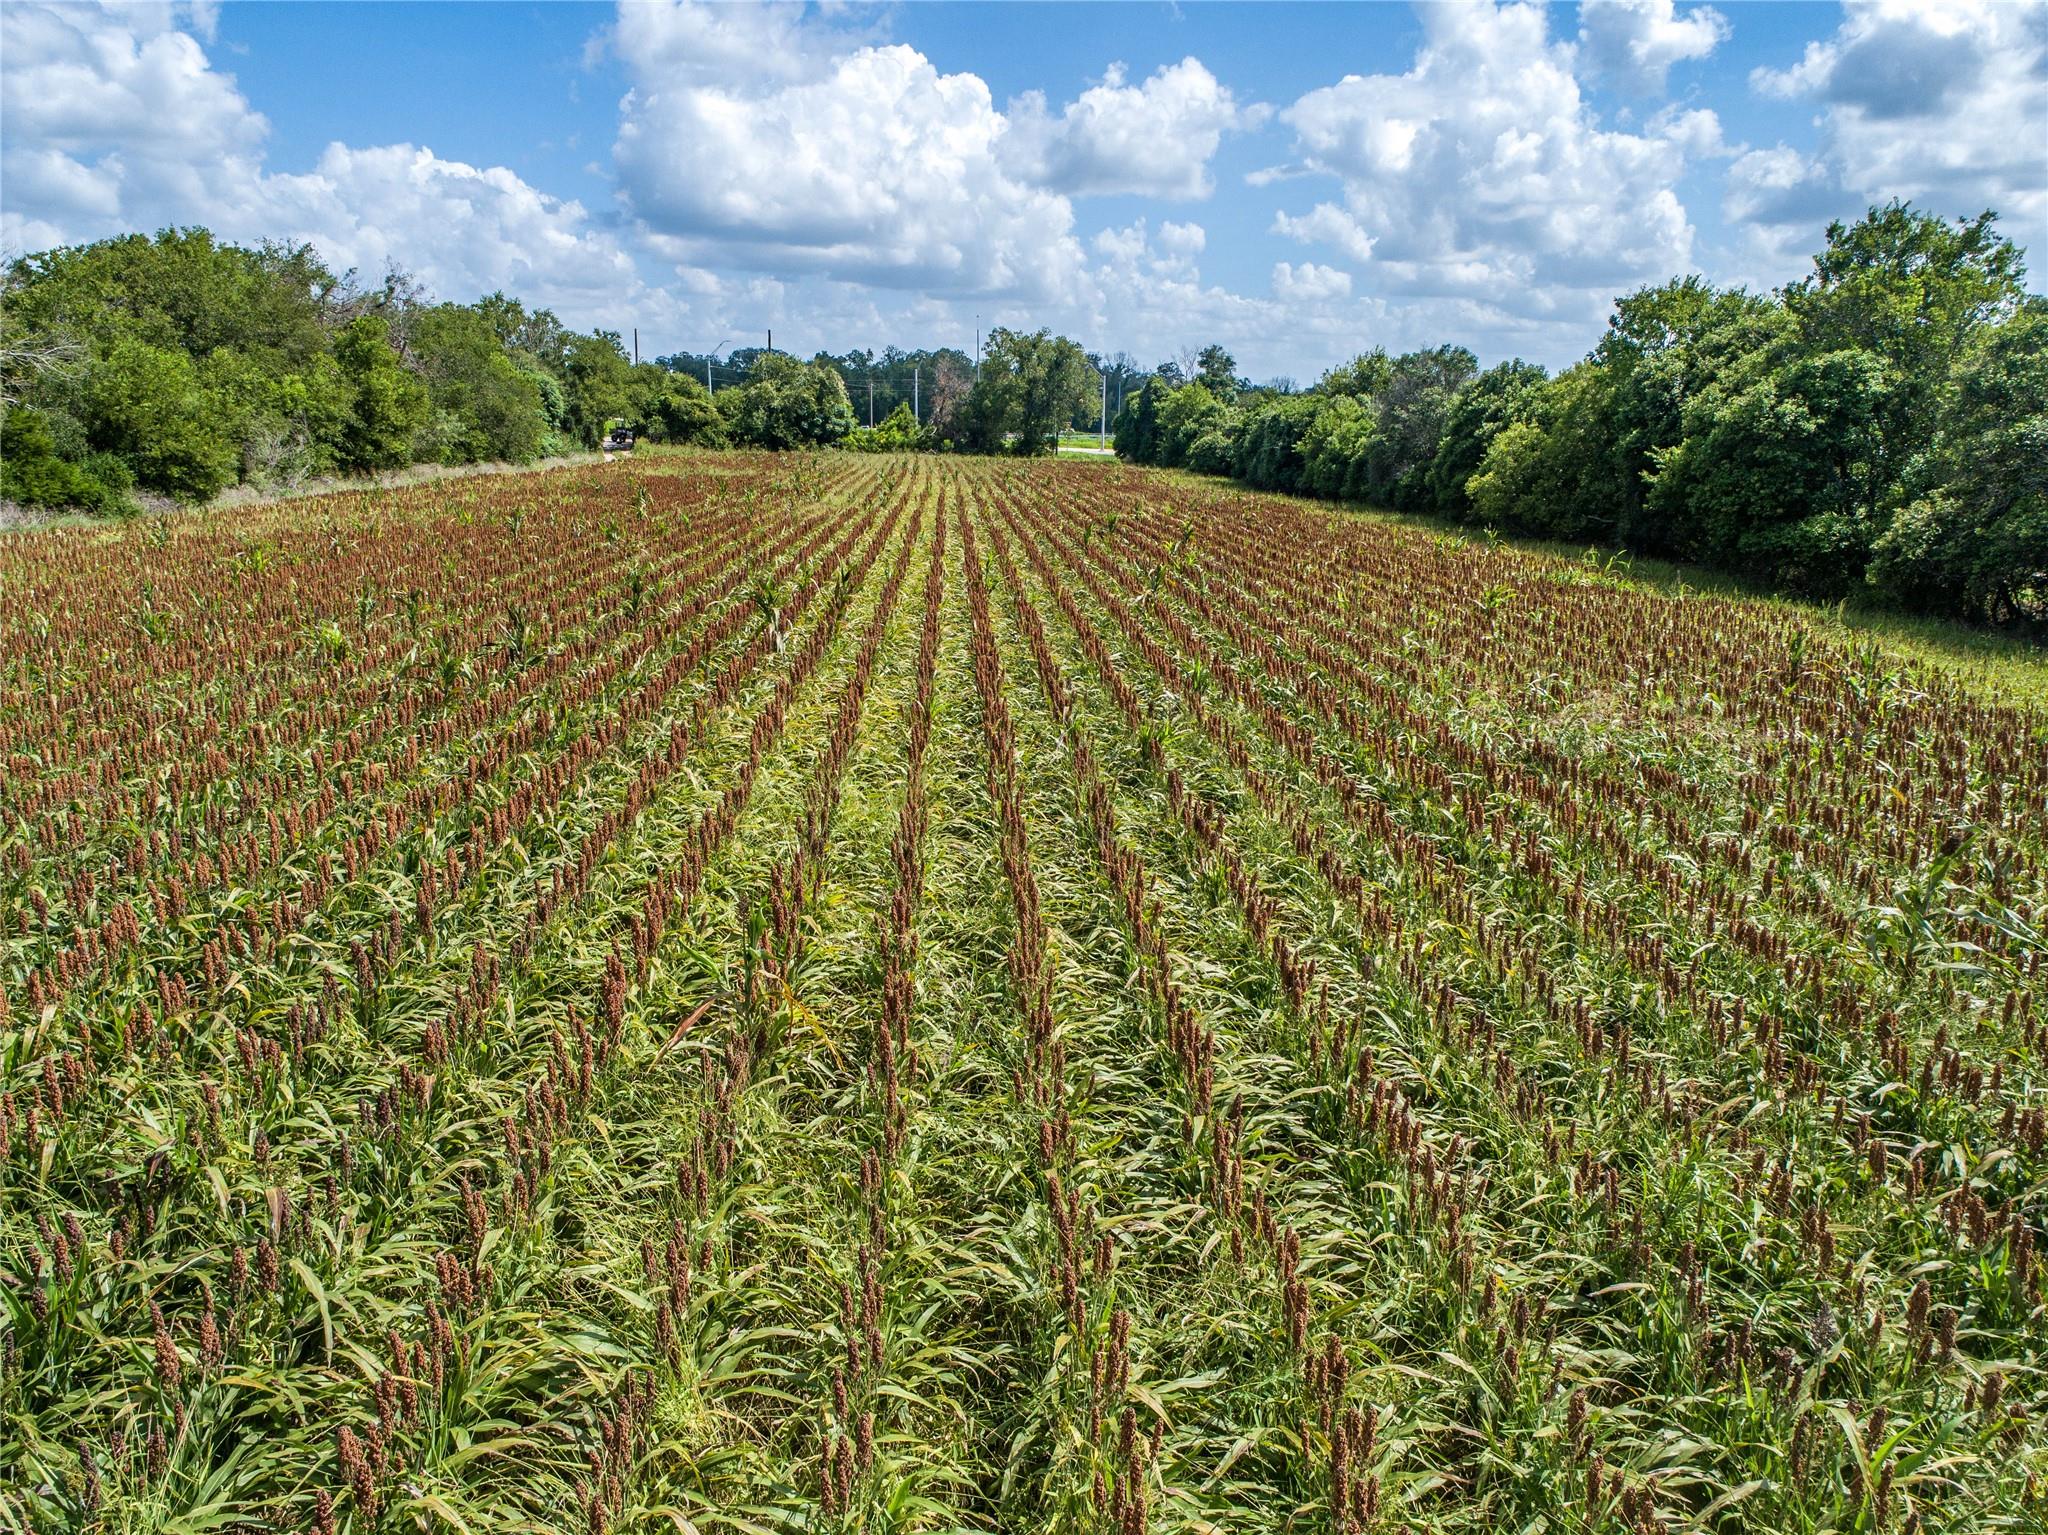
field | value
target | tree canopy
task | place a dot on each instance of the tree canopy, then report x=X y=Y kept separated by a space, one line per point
x=1030 y=384
x=180 y=364
x=1878 y=425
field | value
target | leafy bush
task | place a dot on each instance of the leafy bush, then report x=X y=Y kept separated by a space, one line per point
x=1785 y=478
x=683 y=412
x=388 y=406
x=485 y=406
x=197 y=364
x=1210 y=453
x=1491 y=402
x=786 y=403
x=1270 y=443
x=1550 y=472
x=898 y=433
x=1028 y=383
x=1184 y=415
x=1135 y=432
x=1334 y=445
x=1507 y=475
x=1974 y=539
x=146 y=403
x=32 y=474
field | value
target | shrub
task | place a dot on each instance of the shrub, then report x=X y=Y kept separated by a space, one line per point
x=1270 y=446
x=1184 y=415
x=683 y=412
x=787 y=404
x=32 y=474
x=898 y=433
x=387 y=405
x=1210 y=453
x=146 y=404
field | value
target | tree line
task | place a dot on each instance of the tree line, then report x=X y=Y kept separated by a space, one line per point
x=180 y=365
x=1878 y=426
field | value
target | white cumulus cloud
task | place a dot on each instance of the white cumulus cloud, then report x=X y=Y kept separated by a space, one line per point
x=1942 y=104
x=1780 y=186
x=111 y=119
x=1634 y=43
x=867 y=165
x=1309 y=283
x=463 y=229
x=114 y=119
x=1482 y=173
x=1154 y=139
x=839 y=157
x=1326 y=224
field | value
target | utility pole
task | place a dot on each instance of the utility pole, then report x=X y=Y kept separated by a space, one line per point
x=871 y=402
x=1104 y=436
x=916 y=414
x=707 y=374
x=771 y=339
x=636 y=346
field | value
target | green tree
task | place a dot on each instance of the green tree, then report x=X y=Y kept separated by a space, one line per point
x=1548 y=471
x=1584 y=481
x=1973 y=538
x=1216 y=370
x=1666 y=348
x=297 y=425
x=1411 y=408
x=1782 y=479
x=786 y=403
x=1213 y=452
x=183 y=291
x=1333 y=448
x=146 y=403
x=1915 y=291
x=1500 y=493
x=898 y=432
x=1364 y=377
x=488 y=406
x=387 y=405
x=32 y=473
x=1030 y=382
x=596 y=385
x=1270 y=441
x=1501 y=395
x=253 y=324
x=1911 y=287
x=683 y=412
x=1135 y=433
x=1185 y=414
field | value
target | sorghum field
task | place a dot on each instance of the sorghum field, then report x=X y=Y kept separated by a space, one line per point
x=836 y=993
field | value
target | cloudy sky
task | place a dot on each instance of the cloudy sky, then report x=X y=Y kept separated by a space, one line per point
x=1299 y=182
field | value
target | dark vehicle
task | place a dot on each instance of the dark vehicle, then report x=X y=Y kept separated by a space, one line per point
x=619 y=440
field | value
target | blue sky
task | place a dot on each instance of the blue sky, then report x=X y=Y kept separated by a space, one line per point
x=1298 y=181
